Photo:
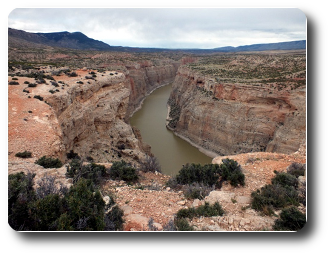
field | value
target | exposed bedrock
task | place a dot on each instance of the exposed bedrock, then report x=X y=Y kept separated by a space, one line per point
x=236 y=118
x=145 y=77
x=94 y=116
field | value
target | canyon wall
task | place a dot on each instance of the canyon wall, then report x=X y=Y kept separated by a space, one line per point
x=232 y=118
x=93 y=113
x=147 y=76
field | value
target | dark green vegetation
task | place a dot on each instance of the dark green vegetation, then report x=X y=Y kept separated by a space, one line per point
x=297 y=169
x=181 y=223
x=49 y=162
x=80 y=208
x=212 y=174
x=13 y=83
x=205 y=210
x=197 y=181
x=291 y=219
x=39 y=97
x=50 y=206
x=24 y=154
x=174 y=113
x=121 y=170
x=77 y=170
x=283 y=194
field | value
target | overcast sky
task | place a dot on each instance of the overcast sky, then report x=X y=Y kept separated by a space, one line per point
x=168 y=28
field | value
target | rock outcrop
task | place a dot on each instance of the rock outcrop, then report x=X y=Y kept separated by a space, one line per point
x=232 y=118
x=87 y=114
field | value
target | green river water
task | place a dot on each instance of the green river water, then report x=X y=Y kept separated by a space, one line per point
x=171 y=151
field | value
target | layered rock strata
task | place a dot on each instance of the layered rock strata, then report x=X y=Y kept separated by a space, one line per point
x=231 y=118
x=90 y=114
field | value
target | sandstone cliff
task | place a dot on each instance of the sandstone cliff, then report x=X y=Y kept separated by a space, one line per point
x=231 y=117
x=86 y=114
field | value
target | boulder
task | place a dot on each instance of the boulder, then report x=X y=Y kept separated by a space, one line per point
x=220 y=196
x=136 y=222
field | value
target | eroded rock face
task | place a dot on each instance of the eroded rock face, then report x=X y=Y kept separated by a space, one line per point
x=93 y=117
x=87 y=112
x=145 y=77
x=232 y=118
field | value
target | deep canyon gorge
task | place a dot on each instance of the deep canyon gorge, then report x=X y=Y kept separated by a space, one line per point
x=224 y=114
x=250 y=107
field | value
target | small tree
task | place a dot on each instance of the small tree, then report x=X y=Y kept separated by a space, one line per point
x=230 y=170
x=83 y=202
x=150 y=164
x=291 y=219
x=20 y=194
x=123 y=171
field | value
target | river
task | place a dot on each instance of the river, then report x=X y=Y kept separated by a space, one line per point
x=171 y=151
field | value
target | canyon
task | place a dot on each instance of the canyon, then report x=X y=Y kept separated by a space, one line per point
x=226 y=104
x=241 y=109
x=88 y=115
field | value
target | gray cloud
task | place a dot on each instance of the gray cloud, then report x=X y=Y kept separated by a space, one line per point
x=171 y=28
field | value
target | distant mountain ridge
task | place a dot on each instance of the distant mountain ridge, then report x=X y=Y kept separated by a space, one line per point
x=294 y=45
x=79 y=41
x=75 y=40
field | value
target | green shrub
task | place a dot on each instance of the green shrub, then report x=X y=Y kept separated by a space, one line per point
x=32 y=85
x=181 y=224
x=40 y=81
x=114 y=219
x=84 y=208
x=54 y=83
x=49 y=162
x=72 y=155
x=210 y=174
x=39 y=97
x=205 y=210
x=73 y=74
x=285 y=179
x=291 y=219
x=196 y=190
x=20 y=194
x=297 y=169
x=24 y=154
x=281 y=193
x=274 y=196
x=44 y=212
x=195 y=173
x=231 y=171
x=80 y=208
x=13 y=83
x=77 y=170
x=123 y=171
